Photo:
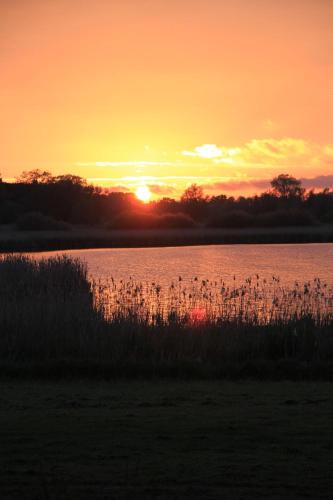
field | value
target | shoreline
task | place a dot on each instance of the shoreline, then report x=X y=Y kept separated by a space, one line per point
x=12 y=240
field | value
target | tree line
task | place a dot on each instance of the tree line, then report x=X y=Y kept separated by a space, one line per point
x=38 y=200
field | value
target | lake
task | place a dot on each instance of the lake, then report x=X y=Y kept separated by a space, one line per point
x=290 y=262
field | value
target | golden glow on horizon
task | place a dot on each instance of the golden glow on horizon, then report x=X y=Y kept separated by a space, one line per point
x=143 y=193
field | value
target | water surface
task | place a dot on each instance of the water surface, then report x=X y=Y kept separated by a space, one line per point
x=290 y=262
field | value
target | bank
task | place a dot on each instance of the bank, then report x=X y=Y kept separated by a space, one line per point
x=79 y=237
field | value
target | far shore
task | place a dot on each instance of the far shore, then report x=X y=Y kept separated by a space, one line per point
x=13 y=240
x=80 y=237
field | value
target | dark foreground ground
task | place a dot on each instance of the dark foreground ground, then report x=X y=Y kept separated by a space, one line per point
x=166 y=440
x=12 y=240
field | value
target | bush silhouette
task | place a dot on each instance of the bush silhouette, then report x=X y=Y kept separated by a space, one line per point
x=35 y=221
x=282 y=218
x=142 y=220
x=232 y=219
x=178 y=220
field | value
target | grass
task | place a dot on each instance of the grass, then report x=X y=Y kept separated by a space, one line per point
x=12 y=240
x=162 y=440
x=54 y=322
x=46 y=309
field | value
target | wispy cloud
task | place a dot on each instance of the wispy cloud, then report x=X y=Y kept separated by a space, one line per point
x=321 y=181
x=125 y=164
x=265 y=153
x=205 y=151
x=150 y=178
x=260 y=185
x=162 y=189
x=257 y=185
x=109 y=185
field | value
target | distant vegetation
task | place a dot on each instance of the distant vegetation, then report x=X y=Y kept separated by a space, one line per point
x=136 y=220
x=38 y=201
x=35 y=221
x=53 y=320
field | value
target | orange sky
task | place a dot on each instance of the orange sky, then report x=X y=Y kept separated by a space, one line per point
x=168 y=92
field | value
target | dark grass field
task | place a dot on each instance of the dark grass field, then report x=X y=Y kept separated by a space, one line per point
x=165 y=440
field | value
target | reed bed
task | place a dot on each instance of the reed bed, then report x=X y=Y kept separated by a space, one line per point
x=52 y=316
x=255 y=302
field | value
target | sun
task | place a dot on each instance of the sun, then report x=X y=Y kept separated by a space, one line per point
x=143 y=193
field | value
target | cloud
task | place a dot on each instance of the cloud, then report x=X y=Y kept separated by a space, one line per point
x=125 y=164
x=320 y=182
x=260 y=185
x=205 y=151
x=238 y=185
x=276 y=148
x=264 y=153
x=105 y=184
x=119 y=189
x=162 y=189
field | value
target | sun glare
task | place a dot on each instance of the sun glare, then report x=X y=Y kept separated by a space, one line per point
x=143 y=193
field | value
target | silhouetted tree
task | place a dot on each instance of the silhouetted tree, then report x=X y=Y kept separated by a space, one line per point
x=286 y=186
x=194 y=202
x=193 y=193
x=70 y=179
x=321 y=204
x=35 y=177
x=165 y=206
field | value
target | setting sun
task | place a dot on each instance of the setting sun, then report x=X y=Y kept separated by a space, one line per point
x=143 y=193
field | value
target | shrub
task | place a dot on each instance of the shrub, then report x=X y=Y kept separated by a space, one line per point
x=143 y=220
x=285 y=218
x=232 y=219
x=9 y=212
x=35 y=221
x=178 y=220
x=134 y=220
x=328 y=217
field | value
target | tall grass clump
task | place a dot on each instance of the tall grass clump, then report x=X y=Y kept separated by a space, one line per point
x=46 y=308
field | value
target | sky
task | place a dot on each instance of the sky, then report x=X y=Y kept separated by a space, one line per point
x=164 y=93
